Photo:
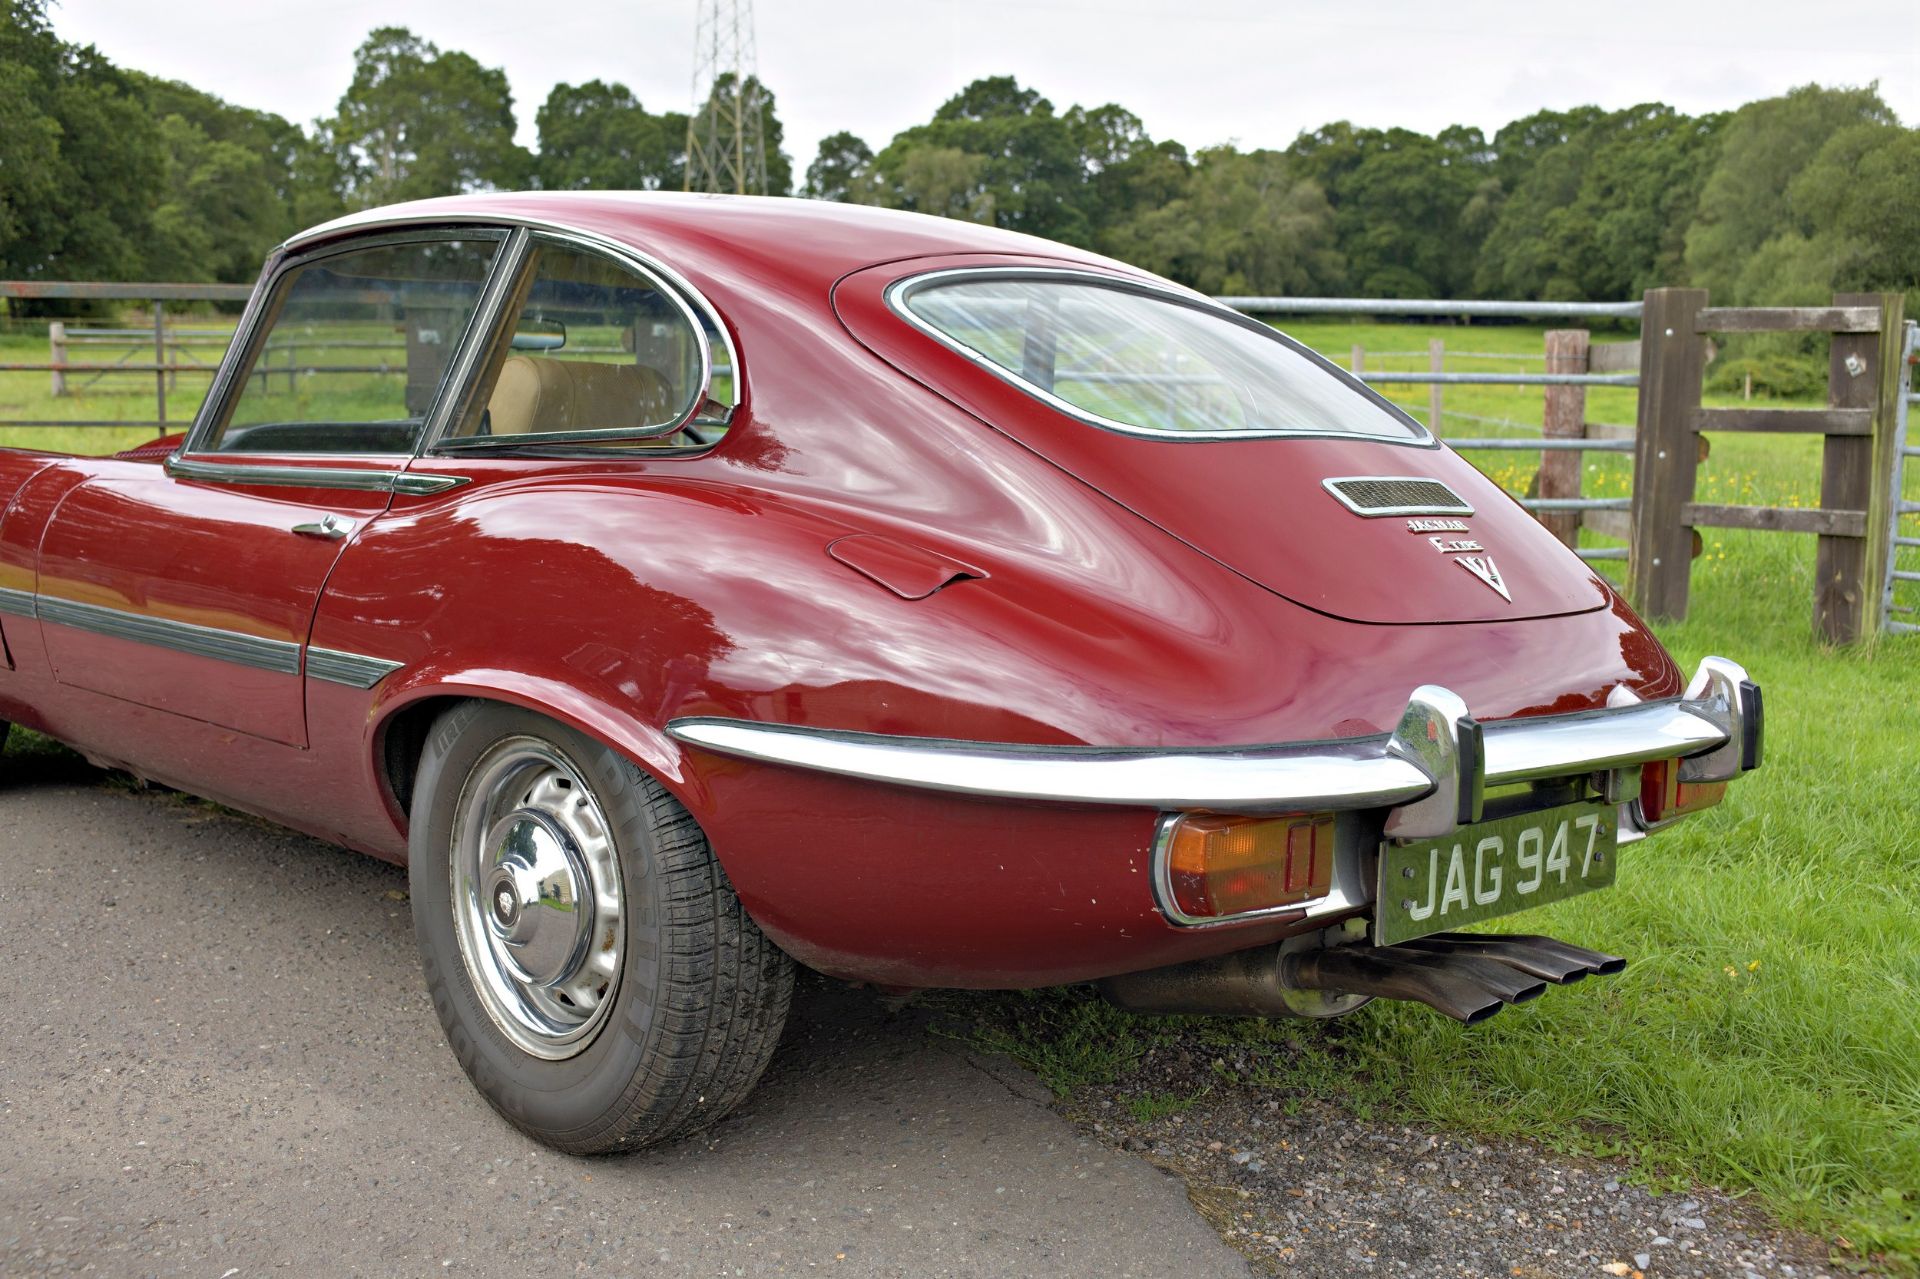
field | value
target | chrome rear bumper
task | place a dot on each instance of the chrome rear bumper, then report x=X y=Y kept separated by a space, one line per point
x=1431 y=772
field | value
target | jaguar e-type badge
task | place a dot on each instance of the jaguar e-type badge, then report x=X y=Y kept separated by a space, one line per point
x=1483 y=567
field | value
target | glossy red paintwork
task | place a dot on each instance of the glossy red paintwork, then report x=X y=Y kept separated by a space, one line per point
x=620 y=592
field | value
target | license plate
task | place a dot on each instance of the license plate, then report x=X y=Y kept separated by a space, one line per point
x=1493 y=868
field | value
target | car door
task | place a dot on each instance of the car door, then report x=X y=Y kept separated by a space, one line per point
x=191 y=588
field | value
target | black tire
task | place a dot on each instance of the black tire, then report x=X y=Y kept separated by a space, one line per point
x=702 y=994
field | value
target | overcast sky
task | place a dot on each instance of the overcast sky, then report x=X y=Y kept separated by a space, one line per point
x=1252 y=72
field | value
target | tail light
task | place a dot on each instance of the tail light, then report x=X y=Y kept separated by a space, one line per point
x=1219 y=865
x=1664 y=797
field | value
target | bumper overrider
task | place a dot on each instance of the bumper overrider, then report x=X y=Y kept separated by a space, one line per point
x=1431 y=776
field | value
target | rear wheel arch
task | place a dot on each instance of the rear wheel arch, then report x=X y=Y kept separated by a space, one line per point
x=405 y=717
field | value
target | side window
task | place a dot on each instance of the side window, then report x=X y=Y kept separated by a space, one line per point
x=591 y=352
x=355 y=347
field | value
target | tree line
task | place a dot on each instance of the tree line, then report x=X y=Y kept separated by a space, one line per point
x=110 y=173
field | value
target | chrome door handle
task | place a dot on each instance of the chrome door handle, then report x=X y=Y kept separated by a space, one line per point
x=330 y=527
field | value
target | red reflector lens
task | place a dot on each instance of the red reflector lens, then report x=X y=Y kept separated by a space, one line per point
x=1663 y=796
x=1228 y=865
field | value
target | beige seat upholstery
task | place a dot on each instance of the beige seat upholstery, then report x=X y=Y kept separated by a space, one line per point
x=537 y=394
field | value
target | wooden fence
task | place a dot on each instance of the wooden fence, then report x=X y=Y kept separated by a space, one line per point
x=1866 y=378
x=1857 y=522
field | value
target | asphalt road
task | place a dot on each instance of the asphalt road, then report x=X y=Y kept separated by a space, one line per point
x=216 y=1059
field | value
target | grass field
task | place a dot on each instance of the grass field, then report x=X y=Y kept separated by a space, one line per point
x=1766 y=1037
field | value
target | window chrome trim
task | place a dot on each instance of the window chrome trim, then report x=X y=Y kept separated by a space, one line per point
x=898 y=293
x=374 y=218
x=369 y=479
x=488 y=313
x=282 y=657
x=355 y=670
x=1322 y=776
x=227 y=377
x=441 y=444
x=15 y=603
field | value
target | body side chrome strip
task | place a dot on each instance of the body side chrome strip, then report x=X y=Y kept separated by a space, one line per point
x=355 y=670
x=282 y=657
x=279 y=656
x=318 y=477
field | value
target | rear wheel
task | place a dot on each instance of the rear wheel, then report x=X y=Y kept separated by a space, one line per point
x=594 y=973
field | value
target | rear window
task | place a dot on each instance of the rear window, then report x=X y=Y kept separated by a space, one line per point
x=1144 y=361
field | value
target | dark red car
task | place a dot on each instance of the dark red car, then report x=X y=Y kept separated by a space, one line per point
x=689 y=587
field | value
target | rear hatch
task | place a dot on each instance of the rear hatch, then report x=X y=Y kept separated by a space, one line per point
x=1357 y=527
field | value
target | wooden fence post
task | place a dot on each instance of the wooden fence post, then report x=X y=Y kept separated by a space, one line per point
x=1885 y=499
x=1359 y=360
x=1566 y=419
x=1843 y=597
x=1672 y=360
x=1436 y=363
x=57 y=354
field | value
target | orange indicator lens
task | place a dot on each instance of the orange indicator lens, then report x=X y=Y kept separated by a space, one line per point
x=1228 y=865
x=1663 y=796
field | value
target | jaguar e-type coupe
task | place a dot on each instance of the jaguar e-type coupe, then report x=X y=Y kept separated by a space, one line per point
x=686 y=588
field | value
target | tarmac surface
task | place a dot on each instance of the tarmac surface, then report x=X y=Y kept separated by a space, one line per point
x=217 y=1059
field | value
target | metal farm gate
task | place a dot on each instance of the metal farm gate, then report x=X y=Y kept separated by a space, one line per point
x=1901 y=594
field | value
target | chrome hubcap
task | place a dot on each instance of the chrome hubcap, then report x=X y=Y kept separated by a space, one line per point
x=537 y=897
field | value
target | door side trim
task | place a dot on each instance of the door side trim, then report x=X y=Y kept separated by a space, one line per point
x=355 y=670
x=316 y=477
x=282 y=657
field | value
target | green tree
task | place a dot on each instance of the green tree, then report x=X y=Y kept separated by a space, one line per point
x=1861 y=193
x=839 y=169
x=229 y=191
x=1746 y=202
x=944 y=181
x=80 y=157
x=1401 y=202
x=1602 y=212
x=1247 y=224
x=419 y=122
x=1022 y=163
x=597 y=136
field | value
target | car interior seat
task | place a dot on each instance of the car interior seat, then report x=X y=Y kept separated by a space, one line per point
x=536 y=395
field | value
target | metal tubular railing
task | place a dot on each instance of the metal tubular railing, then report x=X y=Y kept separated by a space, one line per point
x=1434 y=306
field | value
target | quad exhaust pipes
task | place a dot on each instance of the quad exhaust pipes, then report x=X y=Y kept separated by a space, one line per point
x=1467 y=976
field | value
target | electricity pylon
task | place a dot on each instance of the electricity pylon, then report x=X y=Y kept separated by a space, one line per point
x=726 y=145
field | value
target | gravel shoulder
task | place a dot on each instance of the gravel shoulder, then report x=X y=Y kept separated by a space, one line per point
x=1307 y=1188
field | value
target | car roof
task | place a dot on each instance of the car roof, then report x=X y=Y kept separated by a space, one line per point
x=710 y=235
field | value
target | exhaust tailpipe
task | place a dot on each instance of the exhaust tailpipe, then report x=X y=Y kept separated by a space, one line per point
x=1456 y=989
x=1468 y=977
x=1544 y=957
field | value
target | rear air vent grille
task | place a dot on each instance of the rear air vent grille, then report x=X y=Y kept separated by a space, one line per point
x=1376 y=495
